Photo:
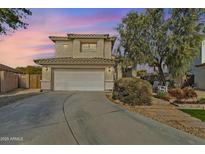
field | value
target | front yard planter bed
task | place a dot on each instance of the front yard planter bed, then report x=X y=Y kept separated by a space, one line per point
x=163 y=96
x=188 y=102
x=179 y=96
x=190 y=106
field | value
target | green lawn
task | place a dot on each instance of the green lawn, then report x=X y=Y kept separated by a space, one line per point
x=200 y=114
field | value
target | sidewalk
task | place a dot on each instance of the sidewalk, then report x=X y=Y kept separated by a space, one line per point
x=19 y=91
x=18 y=94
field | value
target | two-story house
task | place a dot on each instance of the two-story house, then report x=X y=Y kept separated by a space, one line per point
x=82 y=62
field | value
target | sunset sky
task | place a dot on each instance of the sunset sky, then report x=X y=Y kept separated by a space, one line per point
x=24 y=45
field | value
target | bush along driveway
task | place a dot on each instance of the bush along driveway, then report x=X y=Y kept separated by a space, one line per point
x=166 y=113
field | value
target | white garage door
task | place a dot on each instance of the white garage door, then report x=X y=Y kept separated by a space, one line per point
x=79 y=79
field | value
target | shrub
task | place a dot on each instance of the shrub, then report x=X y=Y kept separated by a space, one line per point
x=177 y=92
x=162 y=95
x=133 y=91
x=171 y=84
x=184 y=93
x=189 y=93
x=141 y=73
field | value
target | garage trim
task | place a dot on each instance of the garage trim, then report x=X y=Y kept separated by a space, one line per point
x=86 y=70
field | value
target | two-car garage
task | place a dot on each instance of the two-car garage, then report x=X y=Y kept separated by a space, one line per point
x=78 y=79
x=77 y=74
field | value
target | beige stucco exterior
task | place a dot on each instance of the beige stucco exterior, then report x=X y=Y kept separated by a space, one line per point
x=66 y=47
x=46 y=78
x=109 y=78
x=72 y=48
x=108 y=49
x=47 y=74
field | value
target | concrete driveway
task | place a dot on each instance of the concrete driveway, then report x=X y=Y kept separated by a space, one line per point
x=81 y=118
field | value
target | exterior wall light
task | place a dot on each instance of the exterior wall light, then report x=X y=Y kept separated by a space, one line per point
x=46 y=69
x=109 y=69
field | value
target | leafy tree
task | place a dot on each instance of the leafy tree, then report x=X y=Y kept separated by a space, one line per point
x=125 y=62
x=186 y=27
x=12 y=19
x=141 y=73
x=163 y=38
x=30 y=69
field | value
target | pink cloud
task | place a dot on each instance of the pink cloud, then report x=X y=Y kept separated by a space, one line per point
x=20 y=48
x=17 y=45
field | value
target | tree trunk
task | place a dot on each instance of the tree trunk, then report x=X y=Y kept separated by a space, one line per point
x=124 y=72
x=161 y=74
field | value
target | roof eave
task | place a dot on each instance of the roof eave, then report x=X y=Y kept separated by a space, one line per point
x=113 y=38
x=87 y=36
x=45 y=62
x=200 y=65
x=9 y=69
x=58 y=38
x=55 y=63
x=82 y=36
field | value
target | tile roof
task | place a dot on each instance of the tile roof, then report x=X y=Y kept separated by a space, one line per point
x=7 y=68
x=58 y=38
x=200 y=65
x=82 y=36
x=88 y=35
x=74 y=61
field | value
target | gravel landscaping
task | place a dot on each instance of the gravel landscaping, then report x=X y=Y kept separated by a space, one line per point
x=166 y=113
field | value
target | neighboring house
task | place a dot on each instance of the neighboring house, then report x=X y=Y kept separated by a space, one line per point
x=82 y=62
x=8 y=78
x=199 y=69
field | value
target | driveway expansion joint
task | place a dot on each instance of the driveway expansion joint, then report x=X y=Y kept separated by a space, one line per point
x=69 y=126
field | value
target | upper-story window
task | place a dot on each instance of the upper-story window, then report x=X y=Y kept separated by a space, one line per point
x=85 y=47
